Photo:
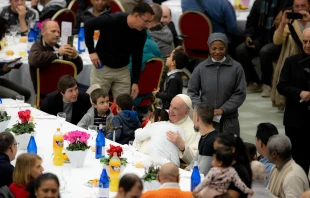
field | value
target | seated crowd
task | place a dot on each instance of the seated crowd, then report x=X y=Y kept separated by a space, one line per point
x=217 y=88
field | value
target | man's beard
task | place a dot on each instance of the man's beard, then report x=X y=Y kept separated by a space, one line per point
x=196 y=128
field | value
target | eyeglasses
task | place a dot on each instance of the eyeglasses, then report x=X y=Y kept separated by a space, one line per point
x=145 y=21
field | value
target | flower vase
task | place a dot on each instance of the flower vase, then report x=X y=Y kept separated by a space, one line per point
x=151 y=185
x=4 y=125
x=23 y=140
x=108 y=169
x=77 y=158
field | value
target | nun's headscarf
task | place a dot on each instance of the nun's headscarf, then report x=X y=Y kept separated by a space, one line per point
x=218 y=37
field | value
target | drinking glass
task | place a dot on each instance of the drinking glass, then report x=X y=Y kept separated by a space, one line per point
x=61 y=118
x=65 y=174
x=13 y=30
x=93 y=130
x=20 y=99
x=131 y=150
x=96 y=187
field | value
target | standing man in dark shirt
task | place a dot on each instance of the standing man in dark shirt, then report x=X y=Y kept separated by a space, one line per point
x=203 y=123
x=121 y=35
x=8 y=149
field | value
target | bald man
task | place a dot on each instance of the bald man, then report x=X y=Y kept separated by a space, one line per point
x=166 y=20
x=46 y=50
x=169 y=179
x=294 y=85
x=179 y=115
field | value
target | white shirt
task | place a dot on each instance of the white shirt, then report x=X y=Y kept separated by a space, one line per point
x=173 y=71
x=170 y=185
x=159 y=145
x=220 y=61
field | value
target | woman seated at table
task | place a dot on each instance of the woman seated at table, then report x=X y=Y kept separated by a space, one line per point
x=46 y=185
x=27 y=168
x=9 y=89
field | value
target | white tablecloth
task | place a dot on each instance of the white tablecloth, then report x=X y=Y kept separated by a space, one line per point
x=176 y=12
x=45 y=129
x=22 y=76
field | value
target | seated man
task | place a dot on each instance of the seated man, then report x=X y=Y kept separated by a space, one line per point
x=155 y=136
x=19 y=15
x=203 y=123
x=287 y=179
x=67 y=99
x=8 y=149
x=291 y=45
x=99 y=8
x=161 y=34
x=264 y=132
x=166 y=20
x=179 y=115
x=220 y=12
x=258 y=42
x=44 y=51
x=50 y=7
x=169 y=179
x=259 y=176
x=130 y=185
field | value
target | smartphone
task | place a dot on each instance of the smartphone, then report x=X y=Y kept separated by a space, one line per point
x=294 y=15
x=13 y=63
x=70 y=40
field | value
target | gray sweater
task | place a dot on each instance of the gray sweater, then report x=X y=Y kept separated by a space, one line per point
x=89 y=117
x=222 y=86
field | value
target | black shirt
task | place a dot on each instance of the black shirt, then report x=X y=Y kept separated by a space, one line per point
x=244 y=176
x=117 y=41
x=205 y=145
x=6 y=170
x=101 y=119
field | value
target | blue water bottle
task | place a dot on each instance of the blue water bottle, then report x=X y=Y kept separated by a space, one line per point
x=32 y=146
x=195 y=178
x=81 y=39
x=100 y=143
x=36 y=30
x=104 y=185
x=31 y=39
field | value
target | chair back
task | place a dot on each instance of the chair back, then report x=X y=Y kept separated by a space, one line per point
x=195 y=35
x=47 y=78
x=116 y=6
x=73 y=5
x=64 y=15
x=150 y=76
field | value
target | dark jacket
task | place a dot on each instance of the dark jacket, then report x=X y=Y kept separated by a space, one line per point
x=176 y=40
x=172 y=87
x=294 y=78
x=221 y=86
x=51 y=8
x=6 y=170
x=42 y=55
x=255 y=31
x=53 y=104
x=86 y=15
x=129 y=122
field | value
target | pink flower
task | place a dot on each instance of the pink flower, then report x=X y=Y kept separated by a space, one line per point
x=75 y=137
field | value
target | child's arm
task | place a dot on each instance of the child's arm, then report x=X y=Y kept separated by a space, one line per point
x=85 y=121
x=239 y=183
x=206 y=181
x=142 y=134
x=170 y=92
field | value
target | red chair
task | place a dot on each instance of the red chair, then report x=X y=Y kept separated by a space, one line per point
x=195 y=35
x=73 y=5
x=47 y=78
x=64 y=15
x=116 y=6
x=150 y=79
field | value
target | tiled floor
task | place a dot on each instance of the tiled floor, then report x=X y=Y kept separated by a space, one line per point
x=255 y=110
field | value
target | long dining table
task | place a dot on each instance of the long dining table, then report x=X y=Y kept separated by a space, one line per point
x=45 y=127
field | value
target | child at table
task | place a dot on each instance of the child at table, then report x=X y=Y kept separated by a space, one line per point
x=126 y=121
x=174 y=83
x=99 y=113
x=220 y=176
